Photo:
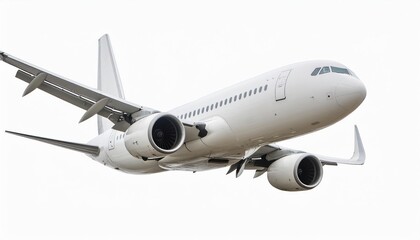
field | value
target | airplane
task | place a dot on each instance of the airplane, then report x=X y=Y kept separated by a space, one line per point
x=236 y=127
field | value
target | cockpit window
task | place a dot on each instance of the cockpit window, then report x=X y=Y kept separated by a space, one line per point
x=315 y=72
x=325 y=69
x=340 y=70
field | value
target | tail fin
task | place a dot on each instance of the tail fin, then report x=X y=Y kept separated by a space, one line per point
x=108 y=77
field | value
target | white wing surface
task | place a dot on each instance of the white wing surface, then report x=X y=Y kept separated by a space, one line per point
x=264 y=156
x=115 y=108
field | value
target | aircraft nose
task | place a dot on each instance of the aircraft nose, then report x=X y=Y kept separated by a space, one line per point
x=350 y=94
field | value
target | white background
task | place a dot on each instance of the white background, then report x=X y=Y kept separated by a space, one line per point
x=169 y=53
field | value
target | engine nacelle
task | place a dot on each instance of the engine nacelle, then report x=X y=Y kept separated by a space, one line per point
x=156 y=135
x=295 y=172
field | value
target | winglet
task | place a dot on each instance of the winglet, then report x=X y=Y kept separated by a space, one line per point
x=358 y=157
x=359 y=154
x=1 y=55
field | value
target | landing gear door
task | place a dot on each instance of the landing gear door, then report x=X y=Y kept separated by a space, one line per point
x=281 y=85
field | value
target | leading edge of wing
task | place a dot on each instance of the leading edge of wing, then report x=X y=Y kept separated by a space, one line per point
x=68 y=84
x=72 y=92
x=84 y=148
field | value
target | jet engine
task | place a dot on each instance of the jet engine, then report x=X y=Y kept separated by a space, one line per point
x=156 y=135
x=295 y=172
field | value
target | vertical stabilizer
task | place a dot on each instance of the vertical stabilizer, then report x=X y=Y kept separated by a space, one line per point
x=108 y=77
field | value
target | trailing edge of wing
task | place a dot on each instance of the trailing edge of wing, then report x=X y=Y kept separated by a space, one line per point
x=84 y=148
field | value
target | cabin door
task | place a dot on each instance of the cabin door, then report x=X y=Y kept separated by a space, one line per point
x=281 y=85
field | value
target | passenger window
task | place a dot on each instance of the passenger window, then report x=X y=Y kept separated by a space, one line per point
x=189 y=115
x=194 y=113
x=265 y=88
x=245 y=94
x=240 y=96
x=207 y=108
x=225 y=101
x=211 y=108
x=221 y=103
x=250 y=92
x=315 y=72
x=325 y=70
x=255 y=91
x=234 y=99
x=217 y=104
x=230 y=99
x=260 y=90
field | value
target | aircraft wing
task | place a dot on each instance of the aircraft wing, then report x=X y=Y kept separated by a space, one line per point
x=84 y=148
x=258 y=159
x=118 y=110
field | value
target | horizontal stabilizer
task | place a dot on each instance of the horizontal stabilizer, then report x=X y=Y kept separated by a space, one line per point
x=84 y=148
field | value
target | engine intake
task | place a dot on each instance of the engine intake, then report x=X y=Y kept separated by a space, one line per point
x=156 y=135
x=295 y=172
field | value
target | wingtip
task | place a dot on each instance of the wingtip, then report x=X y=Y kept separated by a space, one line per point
x=358 y=157
x=106 y=35
x=359 y=154
x=1 y=55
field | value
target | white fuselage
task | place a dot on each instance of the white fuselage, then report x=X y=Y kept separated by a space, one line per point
x=278 y=105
